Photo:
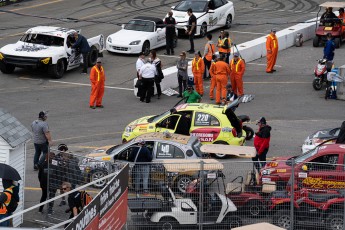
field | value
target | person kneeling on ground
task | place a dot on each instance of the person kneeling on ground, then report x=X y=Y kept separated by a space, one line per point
x=191 y=95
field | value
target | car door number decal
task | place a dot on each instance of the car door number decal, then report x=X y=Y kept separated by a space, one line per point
x=164 y=151
x=203 y=119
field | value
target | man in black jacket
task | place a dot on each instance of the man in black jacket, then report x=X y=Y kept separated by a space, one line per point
x=170 y=33
x=140 y=169
x=83 y=45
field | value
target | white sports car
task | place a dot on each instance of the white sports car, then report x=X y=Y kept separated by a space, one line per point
x=318 y=137
x=210 y=15
x=47 y=47
x=140 y=34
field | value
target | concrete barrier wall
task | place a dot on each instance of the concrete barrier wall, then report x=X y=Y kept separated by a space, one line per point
x=250 y=50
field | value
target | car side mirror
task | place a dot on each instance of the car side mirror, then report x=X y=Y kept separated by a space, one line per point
x=123 y=26
x=305 y=168
x=210 y=11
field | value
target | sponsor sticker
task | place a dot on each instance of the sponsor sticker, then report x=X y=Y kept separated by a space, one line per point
x=302 y=175
x=281 y=170
x=266 y=179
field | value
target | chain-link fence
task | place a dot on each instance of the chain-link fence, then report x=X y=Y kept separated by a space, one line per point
x=206 y=194
x=288 y=194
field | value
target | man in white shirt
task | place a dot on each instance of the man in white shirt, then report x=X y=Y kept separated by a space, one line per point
x=147 y=74
x=140 y=62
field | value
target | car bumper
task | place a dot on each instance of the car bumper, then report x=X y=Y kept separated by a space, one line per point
x=125 y=49
x=20 y=61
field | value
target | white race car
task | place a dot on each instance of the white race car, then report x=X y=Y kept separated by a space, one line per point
x=210 y=15
x=47 y=47
x=318 y=137
x=140 y=34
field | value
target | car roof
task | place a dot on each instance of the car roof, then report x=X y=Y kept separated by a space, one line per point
x=200 y=107
x=333 y=147
x=52 y=30
x=182 y=139
x=156 y=20
x=333 y=4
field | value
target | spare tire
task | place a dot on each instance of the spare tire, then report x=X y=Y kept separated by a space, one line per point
x=93 y=55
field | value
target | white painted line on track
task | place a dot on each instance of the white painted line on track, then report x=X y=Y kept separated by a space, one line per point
x=253 y=63
x=82 y=84
x=244 y=32
x=277 y=82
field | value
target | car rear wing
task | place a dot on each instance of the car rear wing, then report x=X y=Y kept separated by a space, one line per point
x=97 y=41
x=192 y=165
x=239 y=151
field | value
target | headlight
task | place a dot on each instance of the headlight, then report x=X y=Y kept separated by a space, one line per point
x=1 y=56
x=135 y=42
x=110 y=40
x=129 y=129
x=266 y=172
x=45 y=60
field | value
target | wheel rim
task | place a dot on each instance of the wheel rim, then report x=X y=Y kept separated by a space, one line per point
x=167 y=226
x=254 y=210
x=228 y=21
x=96 y=176
x=235 y=223
x=182 y=183
x=317 y=84
x=284 y=221
x=203 y=30
x=336 y=223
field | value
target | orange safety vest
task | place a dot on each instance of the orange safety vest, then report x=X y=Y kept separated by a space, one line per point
x=210 y=52
x=196 y=63
x=99 y=73
x=274 y=40
x=221 y=43
x=237 y=64
x=9 y=192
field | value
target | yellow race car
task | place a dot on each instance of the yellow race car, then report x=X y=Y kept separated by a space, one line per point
x=211 y=123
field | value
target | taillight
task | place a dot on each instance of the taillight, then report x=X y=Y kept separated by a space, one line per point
x=234 y=133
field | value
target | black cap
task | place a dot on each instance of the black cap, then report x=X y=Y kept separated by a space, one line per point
x=42 y=114
x=62 y=147
x=262 y=120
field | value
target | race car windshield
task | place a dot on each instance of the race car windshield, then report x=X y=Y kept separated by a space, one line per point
x=138 y=25
x=197 y=6
x=158 y=117
x=305 y=156
x=42 y=39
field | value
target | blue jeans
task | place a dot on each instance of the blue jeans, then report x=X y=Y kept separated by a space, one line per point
x=6 y=223
x=141 y=172
x=40 y=148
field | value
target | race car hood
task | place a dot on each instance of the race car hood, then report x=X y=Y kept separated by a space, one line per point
x=140 y=121
x=278 y=164
x=31 y=50
x=128 y=36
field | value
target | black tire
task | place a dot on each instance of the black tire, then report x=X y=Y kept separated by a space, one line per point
x=181 y=183
x=7 y=68
x=93 y=55
x=249 y=132
x=97 y=175
x=228 y=21
x=168 y=223
x=255 y=209
x=282 y=218
x=337 y=42
x=203 y=30
x=232 y=221
x=57 y=71
x=146 y=48
x=220 y=156
x=335 y=221
x=317 y=85
x=316 y=41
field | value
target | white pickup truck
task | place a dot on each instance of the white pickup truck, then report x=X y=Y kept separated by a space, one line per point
x=48 y=48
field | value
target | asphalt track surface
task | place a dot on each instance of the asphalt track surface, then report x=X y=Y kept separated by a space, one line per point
x=286 y=98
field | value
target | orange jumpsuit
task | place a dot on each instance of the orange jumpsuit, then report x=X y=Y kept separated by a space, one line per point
x=237 y=70
x=213 y=79
x=97 y=78
x=222 y=71
x=272 y=51
x=342 y=18
x=198 y=68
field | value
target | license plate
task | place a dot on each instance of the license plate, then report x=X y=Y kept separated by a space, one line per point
x=328 y=28
x=266 y=179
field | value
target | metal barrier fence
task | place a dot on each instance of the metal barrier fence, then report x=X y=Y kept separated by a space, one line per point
x=207 y=194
